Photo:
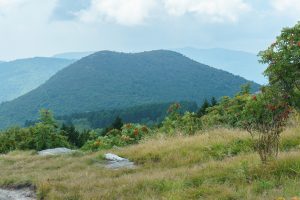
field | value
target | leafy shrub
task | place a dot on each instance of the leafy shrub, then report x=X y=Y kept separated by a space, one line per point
x=42 y=135
x=129 y=134
x=265 y=116
x=38 y=137
x=188 y=123
x=228 y=111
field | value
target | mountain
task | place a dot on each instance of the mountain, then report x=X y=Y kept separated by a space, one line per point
x=111 y=80
x=21 y=76
x=239 y=63
x=73 y=55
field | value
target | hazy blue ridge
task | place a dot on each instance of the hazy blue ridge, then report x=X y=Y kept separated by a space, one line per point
x=21 y=76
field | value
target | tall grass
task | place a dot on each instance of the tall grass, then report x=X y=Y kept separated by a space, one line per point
x=215 y=164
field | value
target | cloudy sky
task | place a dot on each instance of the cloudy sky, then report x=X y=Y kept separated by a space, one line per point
x=46 y=27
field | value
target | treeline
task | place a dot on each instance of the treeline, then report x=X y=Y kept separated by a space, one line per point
x=149 y=114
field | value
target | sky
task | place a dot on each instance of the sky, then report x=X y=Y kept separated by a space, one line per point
x=31 y=28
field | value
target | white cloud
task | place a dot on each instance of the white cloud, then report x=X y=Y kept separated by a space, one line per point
x=135 y=12
x=211 y=10
x=8 y=4
x=287 y=7
x=125 y=12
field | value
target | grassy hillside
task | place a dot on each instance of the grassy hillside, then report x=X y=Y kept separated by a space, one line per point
x=21 y=76
x=239 y=63
x=216 y=164
x=110 y=80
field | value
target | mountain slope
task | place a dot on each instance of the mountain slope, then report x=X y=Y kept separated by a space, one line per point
x=110 y=80
x=237 y=62
x=21 y=76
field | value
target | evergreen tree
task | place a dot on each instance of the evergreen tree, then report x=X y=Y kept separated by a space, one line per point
x=213 y=101
x=117 y=124
x=202 y=111
x=71 y=133
x=46 y=118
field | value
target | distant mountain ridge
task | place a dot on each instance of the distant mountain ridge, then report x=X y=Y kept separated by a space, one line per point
x=239 y=63
x=21 y=76
x=112 y=80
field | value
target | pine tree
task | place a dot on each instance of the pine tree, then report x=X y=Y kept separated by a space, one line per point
x=117 y=124
x=213 y=101
x=202 y=111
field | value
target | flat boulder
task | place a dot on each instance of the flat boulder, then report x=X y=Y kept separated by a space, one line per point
x=56 y=151
x=17 y=194
x=117 y=162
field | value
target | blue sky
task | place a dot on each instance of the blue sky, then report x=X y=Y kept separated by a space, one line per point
x=46 y=27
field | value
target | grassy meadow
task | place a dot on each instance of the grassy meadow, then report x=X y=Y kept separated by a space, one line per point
x=213 y=164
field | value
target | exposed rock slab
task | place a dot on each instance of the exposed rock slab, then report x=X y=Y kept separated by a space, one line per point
x=56 y=151
x=20 y=194
x=116 y=162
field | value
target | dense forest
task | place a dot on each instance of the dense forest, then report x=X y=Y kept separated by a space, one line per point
x=149 y=114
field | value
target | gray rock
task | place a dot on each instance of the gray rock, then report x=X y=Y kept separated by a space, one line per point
x=57 y=151
x=20 y=194
x=116 y=162
x=113 y=157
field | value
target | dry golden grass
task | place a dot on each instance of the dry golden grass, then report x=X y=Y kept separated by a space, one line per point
x=209 y=165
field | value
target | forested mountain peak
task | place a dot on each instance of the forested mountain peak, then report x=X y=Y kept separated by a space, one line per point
x=114 y=80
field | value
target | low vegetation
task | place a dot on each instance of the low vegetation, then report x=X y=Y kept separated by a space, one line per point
x=216 y=164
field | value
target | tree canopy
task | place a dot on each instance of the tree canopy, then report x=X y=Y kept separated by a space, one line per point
x=283 y=58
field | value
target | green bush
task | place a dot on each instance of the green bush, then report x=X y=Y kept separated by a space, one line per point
x=43 y=135
x=188 y=123
x=129 y=134
x=228 y=111
x=265 y=115
x=38 y=137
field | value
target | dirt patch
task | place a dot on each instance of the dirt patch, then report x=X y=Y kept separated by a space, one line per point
x=17 y=194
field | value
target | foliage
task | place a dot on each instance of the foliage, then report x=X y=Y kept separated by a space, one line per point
x=284 y=64
x=266 y=115
x=149 y=114
x=203 y=109
x=187 y=123
x=77 y=138
x=47 y=118
x=117 y=124
x=44 y=134
x=38 y=137
x=228 y=111
x=129 y=134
